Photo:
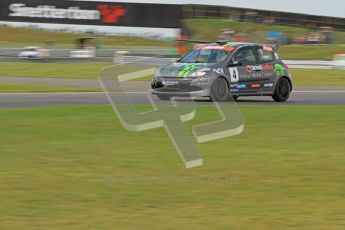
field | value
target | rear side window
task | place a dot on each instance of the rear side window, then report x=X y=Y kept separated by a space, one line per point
x=265 y=54
x=221 y=55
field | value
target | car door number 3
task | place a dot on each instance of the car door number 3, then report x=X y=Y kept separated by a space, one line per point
x=234 y=77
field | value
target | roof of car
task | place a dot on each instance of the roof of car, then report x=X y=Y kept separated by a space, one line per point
x=240 y=44
x=228 y=43
x=236 y=45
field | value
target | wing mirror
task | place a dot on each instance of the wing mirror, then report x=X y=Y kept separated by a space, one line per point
x=235 y=62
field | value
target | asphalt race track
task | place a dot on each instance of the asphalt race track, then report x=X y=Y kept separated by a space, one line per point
x=158 y=60
x=300 y=96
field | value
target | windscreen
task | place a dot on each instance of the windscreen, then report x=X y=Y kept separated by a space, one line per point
x=213 y=54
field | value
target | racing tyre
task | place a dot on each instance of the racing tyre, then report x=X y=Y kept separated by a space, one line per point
x=282 y=90
x=219 y=90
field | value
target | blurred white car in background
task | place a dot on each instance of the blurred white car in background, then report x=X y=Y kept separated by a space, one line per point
x=33 y=52
x=339 y=61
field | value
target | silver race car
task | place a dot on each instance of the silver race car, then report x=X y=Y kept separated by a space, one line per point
x=222 y=69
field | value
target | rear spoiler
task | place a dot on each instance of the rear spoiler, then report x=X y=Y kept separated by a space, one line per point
x=220 y=42
x=276 y=47
x=193 y=41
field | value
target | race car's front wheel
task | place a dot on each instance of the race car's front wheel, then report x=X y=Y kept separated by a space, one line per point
x=282 y=90
x=219 y=90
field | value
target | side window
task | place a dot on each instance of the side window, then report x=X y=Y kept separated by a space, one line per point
x=246 y=56
x=265 y=55
x=221 y=55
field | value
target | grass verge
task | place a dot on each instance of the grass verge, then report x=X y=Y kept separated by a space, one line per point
x=310 y=52
x=69 y=172
x=318 y=77
x=32 y=88
x=52 y=70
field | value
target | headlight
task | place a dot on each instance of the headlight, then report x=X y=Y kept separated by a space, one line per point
x=198 y=74
x=157 y=73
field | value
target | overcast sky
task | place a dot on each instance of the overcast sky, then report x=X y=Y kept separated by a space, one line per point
x=335 y=8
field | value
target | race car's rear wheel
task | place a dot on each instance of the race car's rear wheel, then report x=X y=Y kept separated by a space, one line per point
x=219 y=90
x=282 y=90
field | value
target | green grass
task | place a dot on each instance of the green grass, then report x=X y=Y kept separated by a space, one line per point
x=64 y=168
x=318 y=77
x=52 y=70
x=19 y=37
x=23 y=88
x=87 y=70
x=310 y=52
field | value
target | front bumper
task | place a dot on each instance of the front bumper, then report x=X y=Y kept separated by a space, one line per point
x=195 y=87
x=200 y=93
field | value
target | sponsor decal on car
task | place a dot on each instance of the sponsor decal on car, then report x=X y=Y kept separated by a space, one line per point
x=214 y=47
x=279 y=70
x=267 y=85
x=238 y=86
x=267 y=67
x=204 y=69
x=218 y=70
x=170 y=82
x=256 y=75
x=251 y=68
x=267 y=74
x=187 y=69
x=255 y=86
